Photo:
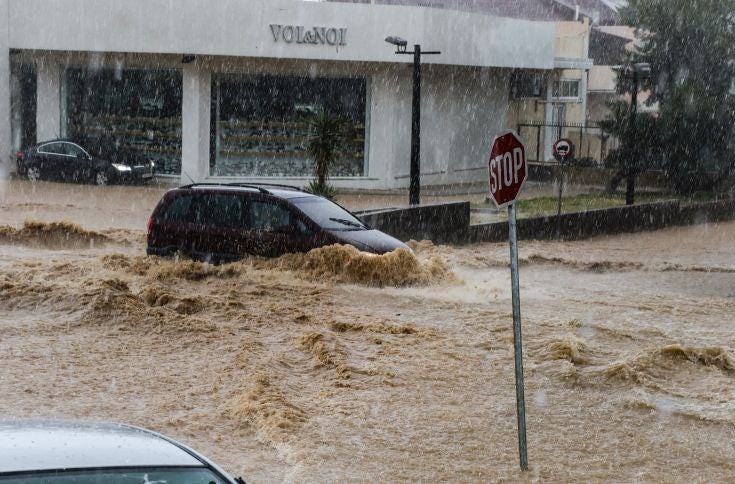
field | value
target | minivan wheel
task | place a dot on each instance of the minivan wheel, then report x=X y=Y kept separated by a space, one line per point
x=101 y=178
x=33 y=173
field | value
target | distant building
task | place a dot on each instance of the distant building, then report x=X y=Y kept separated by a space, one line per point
x=569 y=100
x=222 y=91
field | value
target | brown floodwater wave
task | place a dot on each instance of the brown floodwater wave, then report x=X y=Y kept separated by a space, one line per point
x=53 y=235
x=332 y=264
x=65 y=235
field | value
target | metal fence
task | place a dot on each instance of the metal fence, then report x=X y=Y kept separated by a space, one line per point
x=591 y=143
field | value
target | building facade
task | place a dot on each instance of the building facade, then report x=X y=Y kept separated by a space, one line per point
x=223 y=91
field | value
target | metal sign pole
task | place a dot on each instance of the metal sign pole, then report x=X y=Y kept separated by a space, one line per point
x=517 y=340
x=558 y=207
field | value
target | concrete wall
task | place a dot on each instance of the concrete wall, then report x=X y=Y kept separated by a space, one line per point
x=5 y=139
x=449 y=223
x=578 y=225
x=572 y=39
x=443 y=223
x=195 y=122
x=242 y=28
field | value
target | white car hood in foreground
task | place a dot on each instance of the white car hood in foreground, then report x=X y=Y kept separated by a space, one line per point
x=37 y=445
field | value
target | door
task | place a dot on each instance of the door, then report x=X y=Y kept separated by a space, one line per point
x=78 y=165
x=275 y=229
x=175 y=228
x=557 y=119
x=51 y=157
x=218 y=227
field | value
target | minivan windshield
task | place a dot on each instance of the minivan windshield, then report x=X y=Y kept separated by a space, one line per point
x=328 y=215
x=118 y=476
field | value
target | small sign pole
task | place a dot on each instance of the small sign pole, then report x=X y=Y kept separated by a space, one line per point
x=562 y=149
x=558 y=207
x=517 y=338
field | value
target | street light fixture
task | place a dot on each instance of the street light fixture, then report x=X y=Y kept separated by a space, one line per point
x=398 y=42
x=636 y=72
x=415 y=173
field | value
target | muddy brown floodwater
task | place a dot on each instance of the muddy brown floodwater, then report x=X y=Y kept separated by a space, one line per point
x=336 y=366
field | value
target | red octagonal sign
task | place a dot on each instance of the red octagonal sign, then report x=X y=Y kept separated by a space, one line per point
x=507 y=168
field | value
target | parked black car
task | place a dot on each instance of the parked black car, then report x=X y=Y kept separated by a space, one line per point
x=224 y=222
x=63 y=159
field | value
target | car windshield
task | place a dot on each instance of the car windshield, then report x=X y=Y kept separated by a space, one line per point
x=118 y=476
x=328 y=214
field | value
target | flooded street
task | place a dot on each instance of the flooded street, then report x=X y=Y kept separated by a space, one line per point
x=336 y=366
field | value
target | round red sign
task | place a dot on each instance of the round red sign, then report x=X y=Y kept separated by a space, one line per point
x=563 y=149
x=507 y=168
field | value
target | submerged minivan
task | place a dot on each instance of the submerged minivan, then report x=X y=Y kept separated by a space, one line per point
x=225 y=222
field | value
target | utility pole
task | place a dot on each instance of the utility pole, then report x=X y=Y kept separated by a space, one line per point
x=414 y=187
x=632 y=169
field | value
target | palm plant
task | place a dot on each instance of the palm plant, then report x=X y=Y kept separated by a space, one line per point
x=325 y=140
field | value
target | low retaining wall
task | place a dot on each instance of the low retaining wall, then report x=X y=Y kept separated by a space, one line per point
x=442 y=223
x=615 y=220
x=591 y=176
x=579 y=225
x=450 y=223
x=699 y=213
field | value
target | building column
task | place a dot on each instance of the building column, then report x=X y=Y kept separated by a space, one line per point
x=48 y=100
x=549 y=131
x=5 y=139
x=16 y=111
x=195 y=122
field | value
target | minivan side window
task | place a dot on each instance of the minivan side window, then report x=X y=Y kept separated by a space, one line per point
x=179 y=209
x=220 y=210
x=268 y=216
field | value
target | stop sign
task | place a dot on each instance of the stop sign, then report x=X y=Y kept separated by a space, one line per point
x=507 y=168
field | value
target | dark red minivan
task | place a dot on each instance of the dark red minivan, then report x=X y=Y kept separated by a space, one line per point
x=225 y=222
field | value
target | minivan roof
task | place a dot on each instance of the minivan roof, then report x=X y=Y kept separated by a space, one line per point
x=276 y=191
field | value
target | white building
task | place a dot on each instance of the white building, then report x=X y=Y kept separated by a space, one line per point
x=222 y=91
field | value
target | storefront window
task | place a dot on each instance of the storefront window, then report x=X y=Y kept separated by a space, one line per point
x=261 y=124
x=126 y=112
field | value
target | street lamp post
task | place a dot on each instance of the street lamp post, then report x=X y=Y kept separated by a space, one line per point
x=637 y=71
x=414 y=197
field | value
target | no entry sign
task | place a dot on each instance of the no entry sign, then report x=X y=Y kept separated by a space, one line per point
x=563 y=149
x=507 y=168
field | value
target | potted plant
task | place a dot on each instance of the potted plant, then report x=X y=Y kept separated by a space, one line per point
x=325 y=140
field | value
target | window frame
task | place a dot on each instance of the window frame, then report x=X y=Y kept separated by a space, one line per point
x=557 y=89
x=294 y=215
x=41 y=149
x=200 y=197
x=524 y=78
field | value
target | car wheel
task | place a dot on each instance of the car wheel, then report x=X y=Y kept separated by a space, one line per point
x=33 y=173
x=101 y=178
